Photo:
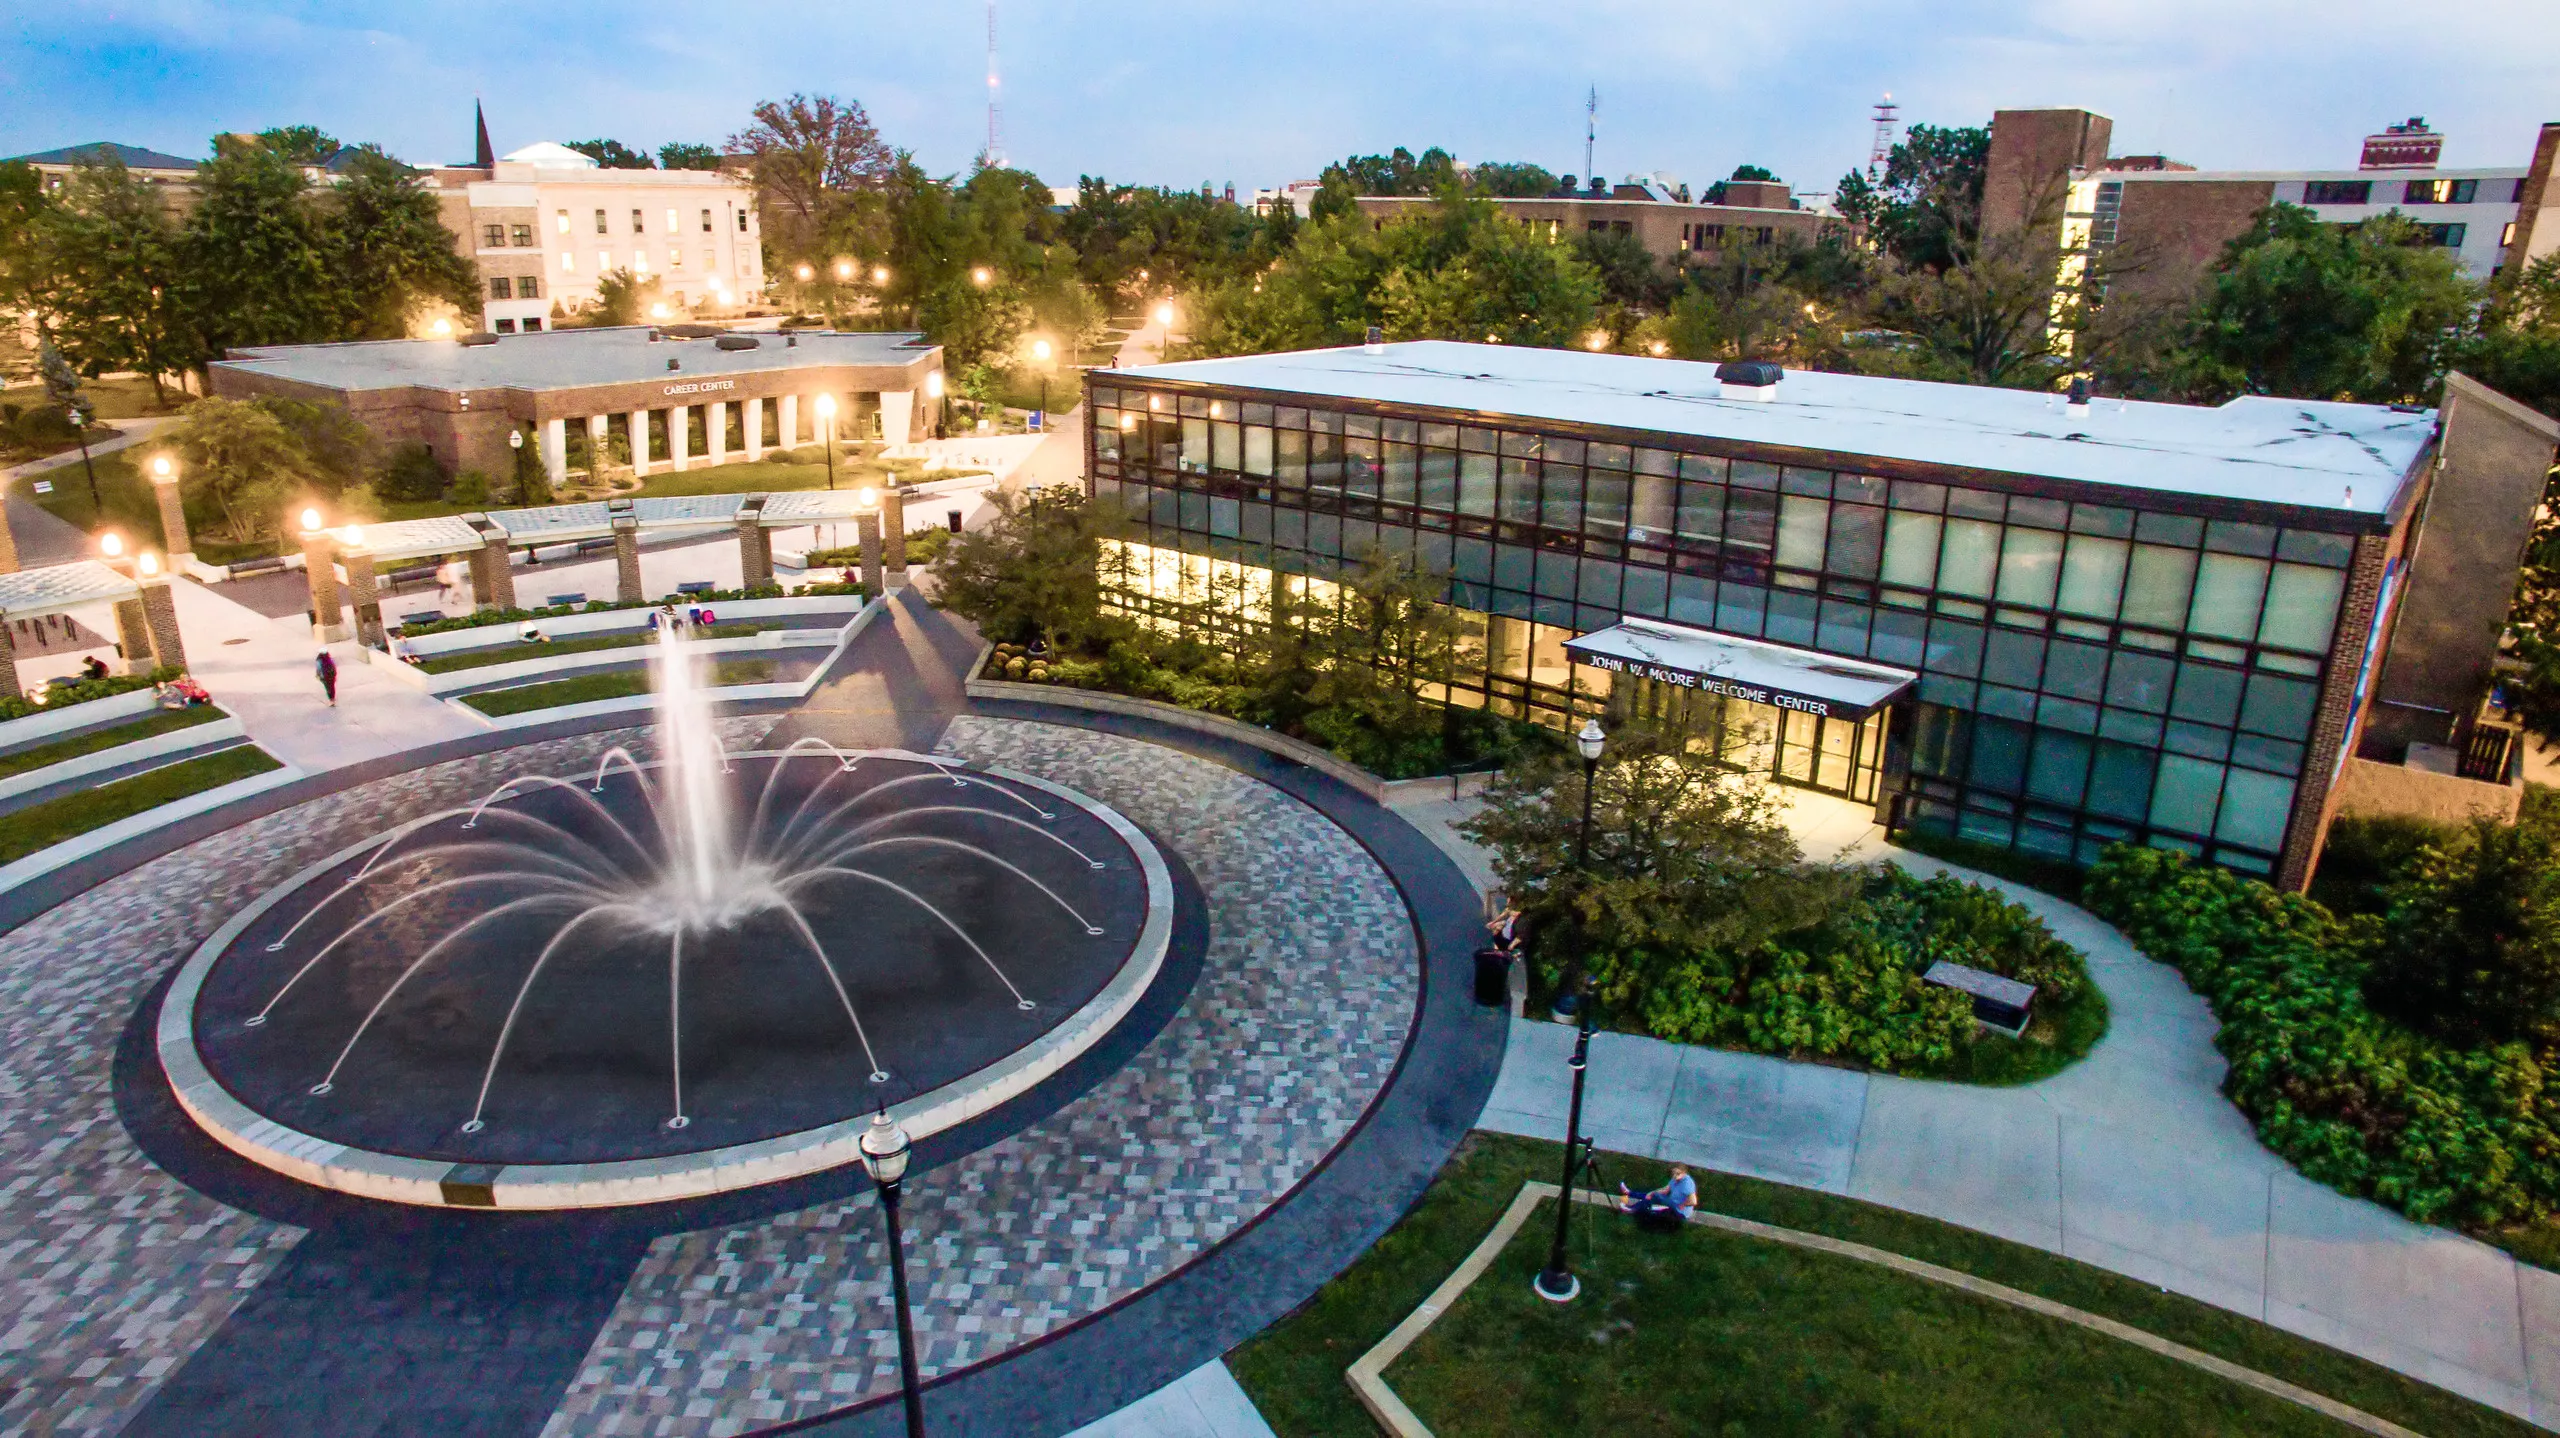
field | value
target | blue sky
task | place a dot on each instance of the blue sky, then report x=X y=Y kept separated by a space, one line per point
x=1217 y=90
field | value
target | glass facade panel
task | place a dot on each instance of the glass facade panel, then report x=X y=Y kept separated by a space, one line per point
x=1969 y=559
x=2092 y=576
x=2254 y=809
x=2183 y=796
x=2030 y=564
x=1801 y=523
x=2302 y=606
x=2157 y=586
x=1910 y=549
x=2228 y=590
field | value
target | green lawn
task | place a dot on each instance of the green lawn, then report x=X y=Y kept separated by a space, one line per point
x=1703 y=1333
x=613 y=684
x=585 y=644
x=40 y=825
x=159 y=721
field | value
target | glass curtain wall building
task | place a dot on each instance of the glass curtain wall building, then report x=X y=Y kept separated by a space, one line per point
x=2120 y=621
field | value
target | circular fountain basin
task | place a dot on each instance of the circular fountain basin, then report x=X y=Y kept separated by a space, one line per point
x=405 y=1021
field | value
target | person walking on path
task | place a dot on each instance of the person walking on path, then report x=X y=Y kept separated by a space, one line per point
x=326 y=667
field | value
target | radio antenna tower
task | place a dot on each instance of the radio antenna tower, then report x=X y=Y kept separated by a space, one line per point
x=1590 y=131
x=1886 y=111
x=995 y=112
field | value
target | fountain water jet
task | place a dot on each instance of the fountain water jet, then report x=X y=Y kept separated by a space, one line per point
x=478 y=972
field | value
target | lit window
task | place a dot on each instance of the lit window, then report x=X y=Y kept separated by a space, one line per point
x=521 y=236
x=742 y=222
x=675 y=258
x=604 y=261
x=710 y=260
x=568 y=261
x=672 y=221
x=599 y=222
x=564 y=222
x=640 y=262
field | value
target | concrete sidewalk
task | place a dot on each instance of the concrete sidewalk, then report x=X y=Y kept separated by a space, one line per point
x=2132 y=1160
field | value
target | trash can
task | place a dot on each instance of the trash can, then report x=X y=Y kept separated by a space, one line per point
x=1493 y=978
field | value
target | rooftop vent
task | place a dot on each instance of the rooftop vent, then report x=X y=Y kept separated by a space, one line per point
x=1376 y=343
x=791 y=342
x=2078 y=405
x=737 y=342
x=478 y=337
x=1749 y=379
x=674 y=363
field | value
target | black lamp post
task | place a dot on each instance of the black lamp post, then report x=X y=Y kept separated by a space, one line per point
x=884 y=1157
x=1556 y=1282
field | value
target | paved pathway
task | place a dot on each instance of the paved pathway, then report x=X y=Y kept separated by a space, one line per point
x=2131 y=1160
x=42 y=538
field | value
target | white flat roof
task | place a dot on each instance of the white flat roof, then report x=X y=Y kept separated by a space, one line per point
x=1739 y=668
x=568 y=359
x=2313 y=453
x=53 y=588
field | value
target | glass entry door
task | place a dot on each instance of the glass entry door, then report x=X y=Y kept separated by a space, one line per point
x=1836 y=756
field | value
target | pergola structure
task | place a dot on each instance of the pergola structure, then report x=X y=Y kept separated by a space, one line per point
x=146 y=616
x=489 y=538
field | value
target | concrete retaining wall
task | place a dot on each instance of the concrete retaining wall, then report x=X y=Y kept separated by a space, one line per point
x=54 y=723
x=176 y=741
x=2372 y=790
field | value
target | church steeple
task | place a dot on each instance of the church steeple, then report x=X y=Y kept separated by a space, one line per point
x=486 y=155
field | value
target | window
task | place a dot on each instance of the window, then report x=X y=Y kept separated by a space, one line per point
x=501 y=289
x=742 y=222
x=568 y=261
x=600 y=222
x=639 y=262
x=493 y=236
x=2338 y=192
x=2446 y=236
x=2105 y=214
x=604 y=261
x=564 y=222
x=2229 y=588
x=528 y=288
x=706 y=221
x=673 y=224
x=532 y=326
x=2441 y=192
x=675 y=258
x=520 y=236
x=504 y=327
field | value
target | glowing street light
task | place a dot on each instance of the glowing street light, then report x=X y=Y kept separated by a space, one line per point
x=441 y=328
x=933 y=385
x=111 y=544
x=806 y=274
x=1598 y=341
x=844 y=269
x=658 y=311
x=879 y=274
x=1164 y=317
x=827 y=427
x=866 y=498
x=161 y=468
x=310 y=521
x=981 y=275
x=150 y=564
x=1041 y=350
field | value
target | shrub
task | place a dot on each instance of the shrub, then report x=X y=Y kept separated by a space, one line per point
x=2363 y=856
x=469 y=487
x=410 y=475
x=2439 y=1131
x=58 y=695
x=1016 y=667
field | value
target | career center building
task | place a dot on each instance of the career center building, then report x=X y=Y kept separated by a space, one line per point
x=679 y=395
x=1988 y=612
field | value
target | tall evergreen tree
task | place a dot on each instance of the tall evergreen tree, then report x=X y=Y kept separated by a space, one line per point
x=393 y=253
x=259 y=260
x=111 y=277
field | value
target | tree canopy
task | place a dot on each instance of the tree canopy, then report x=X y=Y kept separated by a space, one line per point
x=613 y=154
x=2300 y=307
x=1929 y=200
x=687 y=155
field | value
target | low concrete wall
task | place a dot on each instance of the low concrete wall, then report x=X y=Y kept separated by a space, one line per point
x=733 y=693
x=54 y=723
x=1382 y=791
x=2371 y=790
x=609 y=621
x=176 y=741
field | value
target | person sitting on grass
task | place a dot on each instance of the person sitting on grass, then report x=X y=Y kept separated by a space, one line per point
x=93 y=668
x=1671 y=1204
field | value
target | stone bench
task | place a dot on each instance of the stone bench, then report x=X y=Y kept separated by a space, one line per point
x=1998 y=1003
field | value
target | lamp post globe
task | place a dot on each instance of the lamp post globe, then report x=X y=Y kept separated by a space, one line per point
x=884 y=1156
x=111 y=544
x=1589 y=741
x=515 y=439
x=310 y=520
x=161 y=467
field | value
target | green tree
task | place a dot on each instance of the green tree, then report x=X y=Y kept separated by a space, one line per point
x=62 y=386
x=1517 y=180
x=410 y=473
x=259 y=263
x=533 y=481
x=2471 y=937
x=1034 y=572
x=1131 y=242
x=23 y=271
x=1628 y=275
x=1687 y=855
x=2515 y=349
x=613 y=154
x=112 y=272
x=687 y=155
x=393 y=254
x=337 y=450
x=301 y=144
x=1929 y=199
x=241 y=464
x=2318 y=311
x=1715 y=192
x=622 y=298
x=810 y=155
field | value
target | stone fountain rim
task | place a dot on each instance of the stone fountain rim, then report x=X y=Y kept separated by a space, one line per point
x=441 y=1183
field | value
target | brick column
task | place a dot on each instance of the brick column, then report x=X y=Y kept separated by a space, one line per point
x=893 y=535
x=868 y=526
x=174 y=538
x=319 y=564
x=366 y=596
x=755 y=545
x=2308 y=827
x=626 y=559
x=133 y=636
x=493 y=576
x=9 y=688
x=160 y=619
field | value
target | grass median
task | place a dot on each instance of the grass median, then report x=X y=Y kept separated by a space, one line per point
x=38 y=826
x=152 y=725
x=1701 y=1332
x=612 y=684
x=582 y=644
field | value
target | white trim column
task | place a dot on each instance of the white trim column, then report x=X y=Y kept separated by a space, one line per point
x=790 y=434
x=897 y=414
x=679 y=435
x=639 y=442
x=555 y=450
x=715 y=430
x=599 y=439
x=751 y=419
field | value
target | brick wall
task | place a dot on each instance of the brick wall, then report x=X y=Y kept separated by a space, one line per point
x=2171 y=231
x=2313 y=798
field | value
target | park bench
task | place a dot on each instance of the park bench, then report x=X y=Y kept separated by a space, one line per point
x=1998 y=1003
x=698 y=586
x=556 y=600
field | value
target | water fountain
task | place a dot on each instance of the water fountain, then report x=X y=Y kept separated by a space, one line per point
x=667 y=977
